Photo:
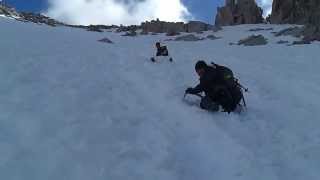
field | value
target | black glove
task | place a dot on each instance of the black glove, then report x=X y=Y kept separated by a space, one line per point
x=189 y=91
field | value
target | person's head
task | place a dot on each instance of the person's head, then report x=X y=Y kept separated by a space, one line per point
x=158 y=45
x=200 y=67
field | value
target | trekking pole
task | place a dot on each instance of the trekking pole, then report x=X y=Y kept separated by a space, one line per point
x=242 y=87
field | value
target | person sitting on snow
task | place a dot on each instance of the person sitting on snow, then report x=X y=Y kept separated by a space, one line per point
x=161 y=51
x=219 y=86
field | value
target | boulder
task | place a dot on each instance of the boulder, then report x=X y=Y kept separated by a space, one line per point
x=239 y=12
x=254 y=40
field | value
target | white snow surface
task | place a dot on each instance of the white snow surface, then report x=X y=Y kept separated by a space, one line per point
x=76 y=109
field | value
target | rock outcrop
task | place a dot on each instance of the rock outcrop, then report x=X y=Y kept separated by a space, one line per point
x=295 y=12
x=197 y=26
x=8 y=11
x=39 y=19
x=158 y=26
x=239 y=12
x=305 y=12
x=254 y=40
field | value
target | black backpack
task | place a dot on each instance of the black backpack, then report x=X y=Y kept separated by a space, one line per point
x=234 y=90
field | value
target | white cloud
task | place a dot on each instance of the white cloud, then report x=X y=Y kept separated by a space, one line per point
x=266 y=6
x=116 y=11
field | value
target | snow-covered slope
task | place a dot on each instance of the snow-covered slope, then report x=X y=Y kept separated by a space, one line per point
x=76 y=109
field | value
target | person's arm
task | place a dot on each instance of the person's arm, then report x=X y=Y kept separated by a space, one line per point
x=196 y=90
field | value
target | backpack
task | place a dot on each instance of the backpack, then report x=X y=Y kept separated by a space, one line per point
x=234 y=90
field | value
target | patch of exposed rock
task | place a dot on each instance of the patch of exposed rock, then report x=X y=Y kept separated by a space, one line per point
x=105 y=40
x=213 y=37
x=8 y=11
x=39 y=19
x=130 y=34
x=292 y=31
x=301 y=42
x=239 y=12
x=311 y=33
x=188 y=37
x=254 y=40
x=308 y=33
x=173 y=33
x=260 y=29
x=282 y=42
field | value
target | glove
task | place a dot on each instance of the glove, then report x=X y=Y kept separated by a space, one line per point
x=189 y=91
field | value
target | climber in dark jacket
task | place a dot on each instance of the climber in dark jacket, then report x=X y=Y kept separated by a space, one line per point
x=216 y=88
x=161 y=50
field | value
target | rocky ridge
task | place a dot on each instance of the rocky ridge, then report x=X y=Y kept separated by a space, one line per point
x=239 y=12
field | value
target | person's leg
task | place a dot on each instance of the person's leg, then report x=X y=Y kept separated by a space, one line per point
x=208 y=104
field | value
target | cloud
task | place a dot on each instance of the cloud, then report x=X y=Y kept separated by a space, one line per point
x=117 y=12
x=266 y=6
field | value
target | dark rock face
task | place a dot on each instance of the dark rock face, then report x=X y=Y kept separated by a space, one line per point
x=239 y=12
x=295 y=12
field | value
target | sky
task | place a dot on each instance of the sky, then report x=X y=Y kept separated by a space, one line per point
x=125 y=11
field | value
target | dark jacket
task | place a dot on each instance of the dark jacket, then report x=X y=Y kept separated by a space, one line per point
x=162 y=51
x=215 y=87
x=208 y=82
